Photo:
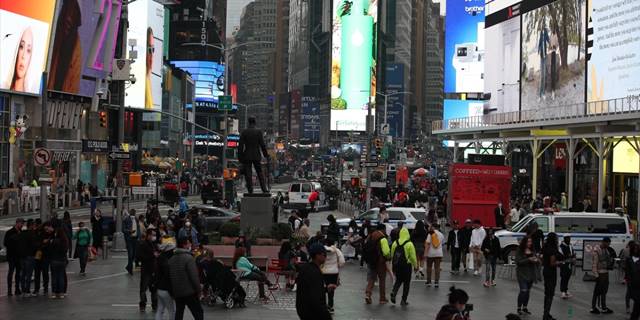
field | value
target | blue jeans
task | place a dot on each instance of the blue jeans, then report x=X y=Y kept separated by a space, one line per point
x=57 y=276
x=523 y=296
x=42 y=272
x=83 y=256
x=131 y=250
x=15 y=268
x=27 y=264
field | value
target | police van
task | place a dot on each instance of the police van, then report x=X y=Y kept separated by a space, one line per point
x=583 y=228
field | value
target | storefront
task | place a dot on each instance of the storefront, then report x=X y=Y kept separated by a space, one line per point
x=93 y=162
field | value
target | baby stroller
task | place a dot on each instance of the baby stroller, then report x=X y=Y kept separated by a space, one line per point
x=220 y=282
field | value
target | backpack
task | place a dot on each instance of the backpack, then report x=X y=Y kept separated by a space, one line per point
x=399 y=261
x=371 y=250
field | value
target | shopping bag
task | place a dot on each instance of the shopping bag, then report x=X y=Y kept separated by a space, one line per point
x=93 y=252
x=469 y=258
x=348 y=251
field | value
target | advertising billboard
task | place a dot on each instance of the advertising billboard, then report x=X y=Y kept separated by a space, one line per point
x=146 y=28
x=25 y=27
x=613 y=48
x=310 y=119
x=296 y=105
x=83 y=45
x=553 y=57
x=502 y=63
x=209 y=80
x=353 y=63
x=455 y=112
x=394 y=82
x=464 y=46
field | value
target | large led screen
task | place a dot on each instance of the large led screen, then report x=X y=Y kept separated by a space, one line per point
x=613 y=52
x=502 y=63
x=464 y=46
x=146 y=26
x=83 y=46
x=553 y=57
x=353 y=63
x=456 y=113
x=209 y=80
x=25 y=27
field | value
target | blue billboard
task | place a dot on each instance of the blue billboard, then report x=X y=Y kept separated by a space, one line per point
x=394 y=82
x=464 y=46
x=209 y=81
x=455 y=112
x=310 y=119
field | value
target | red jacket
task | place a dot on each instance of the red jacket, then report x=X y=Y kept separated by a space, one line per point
x=314 y=196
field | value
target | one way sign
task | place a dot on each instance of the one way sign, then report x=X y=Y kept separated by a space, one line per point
x=120 y=156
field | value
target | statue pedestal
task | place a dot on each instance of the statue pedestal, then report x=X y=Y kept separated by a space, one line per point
x=256 y=211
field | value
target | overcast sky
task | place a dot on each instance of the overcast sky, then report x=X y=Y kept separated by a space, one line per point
x=234 y=10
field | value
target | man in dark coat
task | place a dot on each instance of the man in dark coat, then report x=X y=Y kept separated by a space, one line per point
x=14 y=256
x=499 y=214
x=249 y=148
x=310 y=296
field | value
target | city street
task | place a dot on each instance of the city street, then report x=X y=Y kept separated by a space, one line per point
x=108 y=292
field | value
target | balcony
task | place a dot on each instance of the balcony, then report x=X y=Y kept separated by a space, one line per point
x=622 y=109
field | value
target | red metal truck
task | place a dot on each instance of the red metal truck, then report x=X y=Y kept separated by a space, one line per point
x=475 y=190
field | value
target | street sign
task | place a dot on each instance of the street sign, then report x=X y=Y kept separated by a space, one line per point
x=224 y=103
x=42 y=157
x=371 y=164
x=120 y=156
x=143 y=190
x=385 y=128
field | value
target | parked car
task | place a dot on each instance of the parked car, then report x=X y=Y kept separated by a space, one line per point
x=211 y=191
x=396 y=214
x=214 y=217
x=583 y=227
x=299 y=193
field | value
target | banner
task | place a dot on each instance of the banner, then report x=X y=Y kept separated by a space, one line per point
x=310 y=119
x=394 y=82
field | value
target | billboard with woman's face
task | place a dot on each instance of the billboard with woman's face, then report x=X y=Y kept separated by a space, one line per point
x=85 y=36
x=148 y=31
x=25 y=26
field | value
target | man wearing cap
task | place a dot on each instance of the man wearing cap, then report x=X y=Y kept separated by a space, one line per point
x=11 y=239
x=603 y=257
x=310 y=295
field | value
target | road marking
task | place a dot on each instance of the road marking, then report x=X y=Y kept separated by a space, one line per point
x=443 y=281
x=125 y=305
x=100 y=278
x=120 y=257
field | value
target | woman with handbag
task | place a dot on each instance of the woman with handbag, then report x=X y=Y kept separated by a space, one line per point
x=527 y=271
x=331 y=270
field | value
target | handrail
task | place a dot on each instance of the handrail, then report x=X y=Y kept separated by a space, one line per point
x=592 y=109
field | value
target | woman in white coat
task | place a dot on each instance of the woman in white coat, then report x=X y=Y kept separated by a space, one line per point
x=331 y=270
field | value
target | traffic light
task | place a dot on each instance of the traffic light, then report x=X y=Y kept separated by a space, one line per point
x=103 y=119
x=378 y=144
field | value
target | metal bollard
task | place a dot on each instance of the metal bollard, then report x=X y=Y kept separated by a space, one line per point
x=105 y=247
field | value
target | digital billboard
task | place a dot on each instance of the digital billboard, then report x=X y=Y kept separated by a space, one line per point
x=353 y=63
x=502 y=62
x=83 y=46
x=209 y=80
x=146 y=28
x=464 y=46
x=394 y=82
x=553 y=57
x=25 y=28
x=310 y=119
x=455 y=111
x=613 y=50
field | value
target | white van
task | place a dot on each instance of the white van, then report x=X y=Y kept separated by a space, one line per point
x=299 y=193
x=581 y=226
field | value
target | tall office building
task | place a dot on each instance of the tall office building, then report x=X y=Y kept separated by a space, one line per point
x=281 y=68
x=253 y=61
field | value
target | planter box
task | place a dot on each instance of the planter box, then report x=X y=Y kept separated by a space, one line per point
x=228 y=240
